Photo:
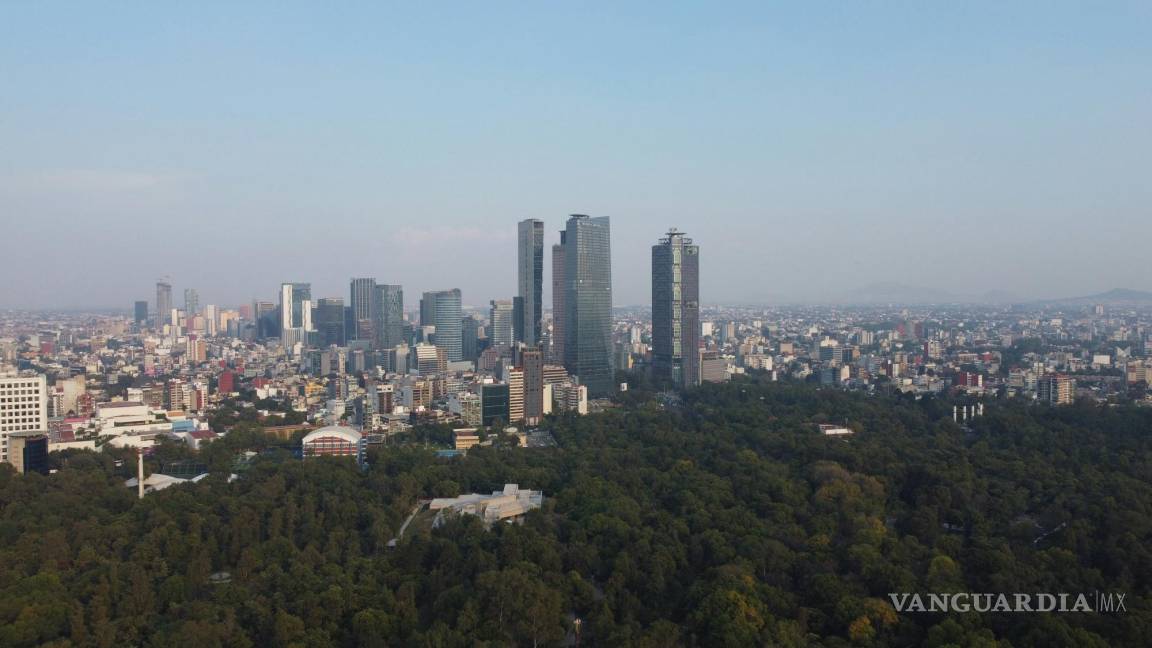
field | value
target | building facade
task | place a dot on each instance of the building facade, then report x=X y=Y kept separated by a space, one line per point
x=23 y=407
x=676 y=310
x=588 y=303
x=530 y=280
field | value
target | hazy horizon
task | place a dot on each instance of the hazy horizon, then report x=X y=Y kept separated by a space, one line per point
x=810 y=151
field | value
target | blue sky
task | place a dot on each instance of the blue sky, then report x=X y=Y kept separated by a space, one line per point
x=810 y=149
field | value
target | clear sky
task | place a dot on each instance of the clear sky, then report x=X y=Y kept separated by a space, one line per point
x=810 y=149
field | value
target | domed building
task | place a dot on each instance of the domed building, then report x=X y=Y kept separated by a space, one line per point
x=333 y=441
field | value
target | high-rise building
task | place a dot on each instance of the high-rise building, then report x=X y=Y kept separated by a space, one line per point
x=530 y=280
x=588 y=303
x=329 y=321
x=515 y=395
x=25 y=409
x=1055 y=389
x=470 y=338
x=191 y=302
x=267 y=318
x=295 y=313
x=500 y=318
x=362 y=294
x=388 y=316
x=532 y=366
x=676 y=310
x=493 y=403
x=163 y=304
x=141 y=312
x=441 y=308
x=558 y=294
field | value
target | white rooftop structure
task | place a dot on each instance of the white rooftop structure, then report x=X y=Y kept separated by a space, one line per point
x=500 y=505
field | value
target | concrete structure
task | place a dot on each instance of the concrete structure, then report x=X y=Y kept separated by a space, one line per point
x=500 y=506
x=28 y=452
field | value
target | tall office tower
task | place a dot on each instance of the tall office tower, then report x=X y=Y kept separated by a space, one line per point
x=588 y=303
x=388 y=316
x=267 y=318
x=362 y=292
x=141 y=312
x=295 y=314
x=25 y=408
x=530 y=280
x=676 y=310
x=163 y=304
x=558 y=294
x=330 y=321
x=441 y=308
x=500 y=317
x=292 y=298
x=191 y=302
x=470 y=338
x=515 y=378
x=532 y=364
x=211 y=319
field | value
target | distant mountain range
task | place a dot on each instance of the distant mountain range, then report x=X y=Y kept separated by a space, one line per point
x=1119 y=296
x=898 y=293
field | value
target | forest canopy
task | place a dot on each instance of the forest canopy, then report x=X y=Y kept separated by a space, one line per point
x=723 y=518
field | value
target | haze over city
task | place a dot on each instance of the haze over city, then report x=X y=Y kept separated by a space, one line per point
x=965 y=149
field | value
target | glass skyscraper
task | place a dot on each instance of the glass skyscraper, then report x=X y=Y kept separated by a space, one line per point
x=676 y=310
x=530 y=281
x=163 y=304
x=388 y=315
x=442 y=309
x=588 y=303
x=361 y=291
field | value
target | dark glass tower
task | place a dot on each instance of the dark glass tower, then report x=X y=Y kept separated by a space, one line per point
x=676 y=310
x=388 y=315
x=361 y=292
x=530 y=281
x=329 y=321
x=163 y=304
x=588 y=303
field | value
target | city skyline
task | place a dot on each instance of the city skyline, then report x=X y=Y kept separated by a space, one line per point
x=979 y=137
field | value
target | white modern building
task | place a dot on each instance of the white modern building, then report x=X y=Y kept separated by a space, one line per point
x=23 y=406
x=499 y=506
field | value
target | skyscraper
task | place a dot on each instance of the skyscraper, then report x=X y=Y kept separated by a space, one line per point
x=676 y=310
x=588 y=303
x=500 y=317
x=530 y=280
x=295 y=313
x=469 y=335
x=532 y=364
x=441 y=308
x=388 y=315
x=191 y=302
x=330 y=321
x=558 y=294
x=141 y=312
x=163 y=304
x=362 y=292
